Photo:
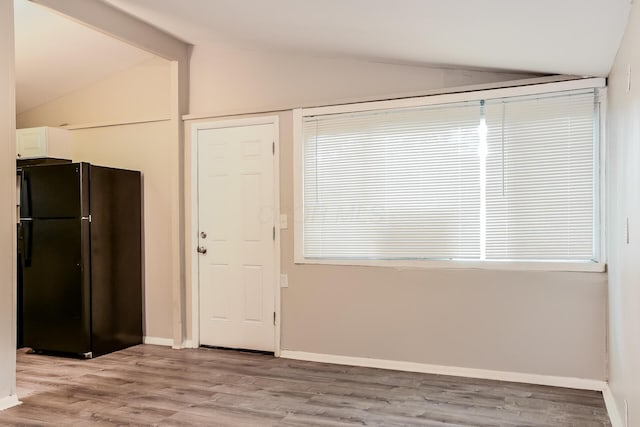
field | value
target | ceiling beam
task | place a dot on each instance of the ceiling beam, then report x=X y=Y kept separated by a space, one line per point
x=122 y=26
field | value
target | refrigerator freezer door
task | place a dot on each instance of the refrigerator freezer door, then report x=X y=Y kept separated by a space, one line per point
x=56 y=289
x=54 y=191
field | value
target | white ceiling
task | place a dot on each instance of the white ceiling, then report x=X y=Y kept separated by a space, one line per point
x=56 y=56
x=547 y=36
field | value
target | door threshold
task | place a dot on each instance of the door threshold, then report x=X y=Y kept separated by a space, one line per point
x=243 y=350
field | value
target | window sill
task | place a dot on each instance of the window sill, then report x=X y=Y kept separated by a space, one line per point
x=593 y=267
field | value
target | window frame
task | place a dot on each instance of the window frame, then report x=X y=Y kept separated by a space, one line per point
x=446 y=98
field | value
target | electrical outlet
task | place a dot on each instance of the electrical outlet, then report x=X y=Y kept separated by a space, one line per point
x=283 y=222
x=284 y=280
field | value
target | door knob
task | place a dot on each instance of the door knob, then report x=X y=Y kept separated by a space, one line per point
x=203 y=235
x=202 y=250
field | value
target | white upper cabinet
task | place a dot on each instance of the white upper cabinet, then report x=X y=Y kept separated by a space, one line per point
x=41 y=142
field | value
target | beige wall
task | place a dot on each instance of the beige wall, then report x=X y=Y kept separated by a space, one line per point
x=549 y=323
x=144 y=147
x=533 y=322
x=227 y=81
x=624 y=202
x=7 y=207
x=139 y=93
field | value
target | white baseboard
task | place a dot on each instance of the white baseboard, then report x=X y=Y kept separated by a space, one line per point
x=9 y=402
x=517 y=377
x=167 y=342
x=614 y=415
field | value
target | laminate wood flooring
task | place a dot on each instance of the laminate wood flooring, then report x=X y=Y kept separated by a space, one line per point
x=151 y=385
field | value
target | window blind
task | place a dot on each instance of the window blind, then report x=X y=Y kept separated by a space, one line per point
x=501 y=179
x=396 y=184
x=541 y=178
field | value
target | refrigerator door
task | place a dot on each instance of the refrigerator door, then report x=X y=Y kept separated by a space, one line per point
x=56 y=288
x=116 y=259
x=19 y=289
x=54 y=191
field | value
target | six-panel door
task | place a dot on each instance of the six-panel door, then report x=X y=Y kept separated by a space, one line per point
x=236 y=237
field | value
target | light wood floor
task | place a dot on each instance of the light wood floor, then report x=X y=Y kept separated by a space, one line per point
x=150 y=385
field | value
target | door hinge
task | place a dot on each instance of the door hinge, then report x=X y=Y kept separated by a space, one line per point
x=274 y=232
x=273 y=148
x=274 y=317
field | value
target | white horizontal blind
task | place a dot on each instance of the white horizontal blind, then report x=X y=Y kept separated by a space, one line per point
x=501 y=179
x=394 y=184
x=540 y=178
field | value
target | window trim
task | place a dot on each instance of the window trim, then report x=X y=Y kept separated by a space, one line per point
x=472 y=95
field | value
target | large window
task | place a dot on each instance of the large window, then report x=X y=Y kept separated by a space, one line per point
x=495 y=178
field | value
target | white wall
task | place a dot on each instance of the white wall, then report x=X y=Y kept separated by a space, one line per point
x=138 y=93
x=624 y=202
x=7 y=209
x=547 y=323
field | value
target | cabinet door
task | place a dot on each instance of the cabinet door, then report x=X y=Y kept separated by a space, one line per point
x=31 y=143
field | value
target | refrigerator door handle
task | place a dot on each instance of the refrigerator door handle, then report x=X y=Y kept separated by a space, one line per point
x=27 y=241
x=25 y=190
x=20 y=238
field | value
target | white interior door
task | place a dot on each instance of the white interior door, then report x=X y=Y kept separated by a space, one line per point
x=236 y=228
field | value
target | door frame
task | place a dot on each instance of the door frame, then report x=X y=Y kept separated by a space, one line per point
x=192 y=235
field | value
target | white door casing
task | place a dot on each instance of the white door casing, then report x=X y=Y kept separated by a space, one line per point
x=236 y=212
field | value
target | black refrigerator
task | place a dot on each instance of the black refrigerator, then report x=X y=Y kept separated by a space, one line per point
x=80 y=245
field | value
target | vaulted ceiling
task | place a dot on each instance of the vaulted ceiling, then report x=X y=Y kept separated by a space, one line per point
x=546 y=36
x=55 y=56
